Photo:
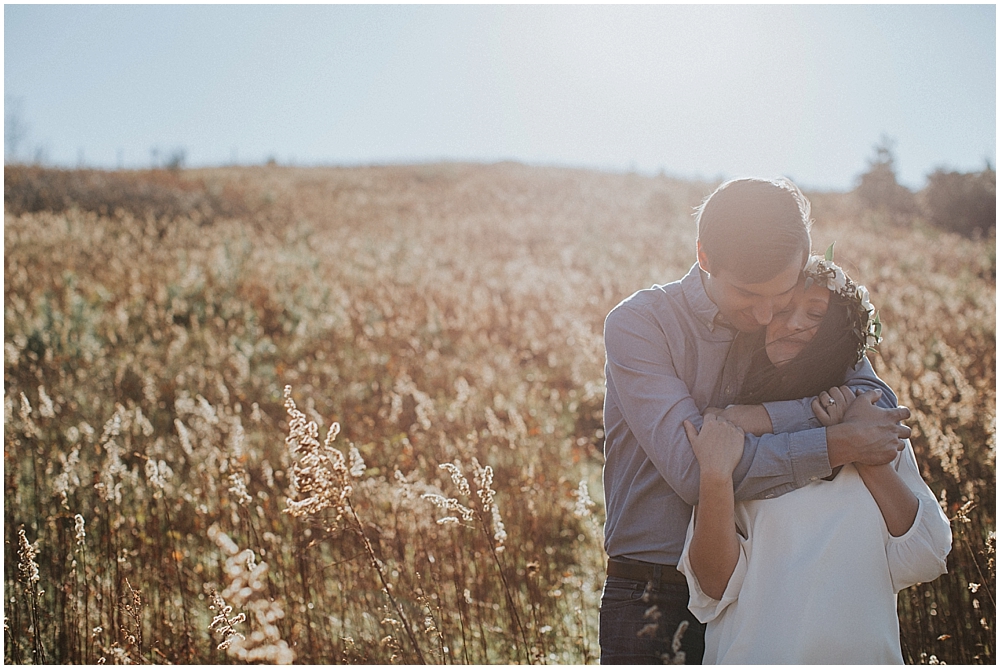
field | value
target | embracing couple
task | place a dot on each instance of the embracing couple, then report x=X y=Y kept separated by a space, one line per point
x=763 y=501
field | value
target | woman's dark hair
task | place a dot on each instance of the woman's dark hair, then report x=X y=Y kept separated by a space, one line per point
x=821 y=365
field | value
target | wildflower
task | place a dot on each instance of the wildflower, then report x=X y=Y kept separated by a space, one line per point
x=487 y=495
x=24 y=413
x=68 y=479
x=81 y=533
x=247 y=590
x=223 y=623
x=649 y=629
x=675 y=645
x=185 y=436
x=583 y=501
x=45 y=407
x=157 y=473
x=357 y=463
x=207 y=411
x=27 y=568
x=321 y=474
x=236 y=437
x=457 y=477
x=449 y=504
x=239 y=488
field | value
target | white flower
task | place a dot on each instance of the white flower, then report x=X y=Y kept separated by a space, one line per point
x=865 y=299
x=839 y=280
x=357 y=463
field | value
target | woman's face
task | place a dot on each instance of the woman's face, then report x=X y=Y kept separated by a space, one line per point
x=794 y=326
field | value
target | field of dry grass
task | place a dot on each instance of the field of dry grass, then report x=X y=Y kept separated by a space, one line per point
x=354 y=415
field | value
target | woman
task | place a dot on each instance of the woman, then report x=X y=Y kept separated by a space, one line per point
x=811 y=576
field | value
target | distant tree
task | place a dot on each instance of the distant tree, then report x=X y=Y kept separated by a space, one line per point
x=878 y=189
x=965 y=203
x=15 y=130
x=175 y=161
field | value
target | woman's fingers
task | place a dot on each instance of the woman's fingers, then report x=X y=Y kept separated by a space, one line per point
x=820 y=410
x=692 y=431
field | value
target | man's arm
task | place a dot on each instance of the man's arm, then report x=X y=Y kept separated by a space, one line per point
x=863 y=437
x=898 y=504
x=655 y=402
x=797 y=415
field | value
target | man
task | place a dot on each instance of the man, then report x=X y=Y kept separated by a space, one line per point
x=675 y=350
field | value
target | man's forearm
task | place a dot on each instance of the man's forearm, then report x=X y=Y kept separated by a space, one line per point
x=840 y=444
x=796 y=415
x=870 y=436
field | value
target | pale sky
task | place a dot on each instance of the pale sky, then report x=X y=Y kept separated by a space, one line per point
x=694 y=90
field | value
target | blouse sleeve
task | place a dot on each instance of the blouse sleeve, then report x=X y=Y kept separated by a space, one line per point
x=704 y=607
x=919 y=555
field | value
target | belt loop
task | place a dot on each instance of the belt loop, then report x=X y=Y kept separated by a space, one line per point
x=657 y=575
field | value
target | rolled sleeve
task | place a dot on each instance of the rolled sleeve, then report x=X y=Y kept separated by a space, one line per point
x=920 y=554
x=704 y=606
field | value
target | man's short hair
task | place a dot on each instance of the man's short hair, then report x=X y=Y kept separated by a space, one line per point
x=754 y=228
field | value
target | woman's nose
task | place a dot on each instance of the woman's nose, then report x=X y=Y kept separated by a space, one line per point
x=797 y=322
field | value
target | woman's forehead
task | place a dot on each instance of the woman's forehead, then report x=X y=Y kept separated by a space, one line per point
x=815 y=293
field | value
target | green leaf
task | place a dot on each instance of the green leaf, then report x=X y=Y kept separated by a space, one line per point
x=829 y=252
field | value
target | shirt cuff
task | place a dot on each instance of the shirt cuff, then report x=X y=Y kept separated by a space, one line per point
x=791 y=416
x=809 y=458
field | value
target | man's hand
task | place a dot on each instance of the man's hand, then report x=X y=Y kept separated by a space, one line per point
x=868 y=434
x=831 y=406
x=718 y=447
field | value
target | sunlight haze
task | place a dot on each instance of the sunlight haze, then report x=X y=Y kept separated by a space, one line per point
x=694 y=91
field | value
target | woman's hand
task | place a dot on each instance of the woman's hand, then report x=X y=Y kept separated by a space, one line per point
x=831 y=405
x=718 y=447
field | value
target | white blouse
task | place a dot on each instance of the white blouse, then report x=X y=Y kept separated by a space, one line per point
x=818 y=574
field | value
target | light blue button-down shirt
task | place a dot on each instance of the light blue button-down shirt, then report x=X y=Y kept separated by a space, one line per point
x=666 y=353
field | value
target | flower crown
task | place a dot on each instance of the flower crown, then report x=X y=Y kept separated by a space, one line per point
x=866 y=326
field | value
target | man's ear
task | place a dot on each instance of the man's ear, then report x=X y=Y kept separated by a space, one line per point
x=702 y=259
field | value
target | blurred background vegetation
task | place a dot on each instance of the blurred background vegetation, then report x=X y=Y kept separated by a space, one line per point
x=443 y=314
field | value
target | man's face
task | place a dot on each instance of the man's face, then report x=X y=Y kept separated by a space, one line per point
x=751 y=306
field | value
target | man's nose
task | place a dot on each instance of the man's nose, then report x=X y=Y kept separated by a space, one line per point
x=763 y=313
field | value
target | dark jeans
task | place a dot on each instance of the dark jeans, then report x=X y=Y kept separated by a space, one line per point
x=634 y=632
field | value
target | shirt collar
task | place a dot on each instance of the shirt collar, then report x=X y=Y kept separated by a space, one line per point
x=701 y=305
